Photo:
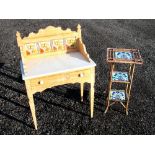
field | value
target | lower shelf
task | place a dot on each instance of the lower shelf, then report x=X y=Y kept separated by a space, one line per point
x=118 y=95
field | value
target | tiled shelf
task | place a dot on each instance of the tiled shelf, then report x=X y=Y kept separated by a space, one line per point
x=117 y=95
x=120 y=77
x=123 y=55
x=117 y=55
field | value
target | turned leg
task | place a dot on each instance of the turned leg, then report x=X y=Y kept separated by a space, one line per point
x=31 y=104
x=92 y=99
x=82 y=89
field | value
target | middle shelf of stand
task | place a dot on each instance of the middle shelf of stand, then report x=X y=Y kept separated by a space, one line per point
x=120 y=77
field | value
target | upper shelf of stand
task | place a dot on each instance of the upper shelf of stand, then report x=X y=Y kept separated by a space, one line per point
x=119 y=55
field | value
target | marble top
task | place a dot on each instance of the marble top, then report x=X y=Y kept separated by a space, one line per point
x=38 y=67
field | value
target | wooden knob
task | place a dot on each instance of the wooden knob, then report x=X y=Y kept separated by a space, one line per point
x=81 y=75
x=41 y=82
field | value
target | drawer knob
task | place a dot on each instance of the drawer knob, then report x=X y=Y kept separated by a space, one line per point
x=81 y=75
x=41 y=82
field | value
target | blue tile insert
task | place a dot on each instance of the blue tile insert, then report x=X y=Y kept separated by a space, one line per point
x=120 y=76
x=117 y=95
x=123 y=55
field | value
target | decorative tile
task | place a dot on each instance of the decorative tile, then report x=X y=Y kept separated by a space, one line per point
x=45 y=46
x=123 y=55
x=58 y=44
x=71 y=42
x=117 y=95
x=31 y=48
x=120 y=76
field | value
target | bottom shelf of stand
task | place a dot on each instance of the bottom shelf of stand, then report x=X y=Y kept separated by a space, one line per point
x=118 y=95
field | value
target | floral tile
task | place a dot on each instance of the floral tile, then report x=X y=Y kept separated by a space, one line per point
x=120 y=76
x=117 y=95
x=123 y=55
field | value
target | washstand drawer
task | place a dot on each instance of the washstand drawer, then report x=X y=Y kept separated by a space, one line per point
x=63 y=77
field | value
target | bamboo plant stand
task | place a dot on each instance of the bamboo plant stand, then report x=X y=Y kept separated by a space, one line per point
x=129 y=57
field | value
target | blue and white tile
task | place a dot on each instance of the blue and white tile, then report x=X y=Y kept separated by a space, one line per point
x=123 y=55
x=117 y=95
x=120 y=76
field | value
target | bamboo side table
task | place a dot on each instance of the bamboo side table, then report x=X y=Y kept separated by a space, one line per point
x=130 y=57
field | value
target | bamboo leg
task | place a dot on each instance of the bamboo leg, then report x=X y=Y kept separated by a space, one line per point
x=82 y=89
x=31 y=104
x=109 y=87
x=92 y=99
x=127 y=86
x=108 y=103
x=129 y=90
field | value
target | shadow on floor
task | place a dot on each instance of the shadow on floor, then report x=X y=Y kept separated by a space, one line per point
x=15 y=119
x=71 y=94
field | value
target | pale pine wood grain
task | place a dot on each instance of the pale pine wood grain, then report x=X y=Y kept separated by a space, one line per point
x=38 y=46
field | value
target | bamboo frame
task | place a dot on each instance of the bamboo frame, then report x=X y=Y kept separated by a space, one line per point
x=112 y=61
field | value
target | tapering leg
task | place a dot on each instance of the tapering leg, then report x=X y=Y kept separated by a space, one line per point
x=82 y=89
x=31 y=104
x=92 y=99
x=32 y=107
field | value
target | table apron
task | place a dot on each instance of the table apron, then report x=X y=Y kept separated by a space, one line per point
x=81 y=76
